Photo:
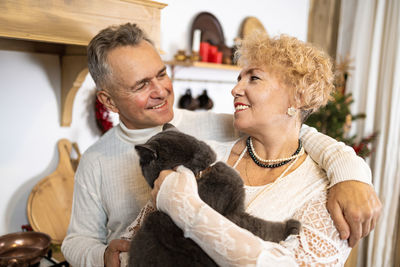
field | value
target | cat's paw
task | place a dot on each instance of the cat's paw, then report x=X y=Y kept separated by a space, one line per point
x=292 y=227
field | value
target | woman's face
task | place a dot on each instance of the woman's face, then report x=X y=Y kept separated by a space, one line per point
x=260 y=100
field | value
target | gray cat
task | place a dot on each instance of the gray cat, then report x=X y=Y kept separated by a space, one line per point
x=159 y=242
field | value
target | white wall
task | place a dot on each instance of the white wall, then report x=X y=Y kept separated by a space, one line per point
x=30 y=108
x=277 y=17
x=30 y=94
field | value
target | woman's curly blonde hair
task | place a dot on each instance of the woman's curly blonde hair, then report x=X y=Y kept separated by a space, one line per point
x=307 y=70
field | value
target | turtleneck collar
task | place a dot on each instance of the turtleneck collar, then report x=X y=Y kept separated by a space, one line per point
x=137 y=135
x=142 y=135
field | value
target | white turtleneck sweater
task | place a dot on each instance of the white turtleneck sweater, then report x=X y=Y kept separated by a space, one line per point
x=110 y=190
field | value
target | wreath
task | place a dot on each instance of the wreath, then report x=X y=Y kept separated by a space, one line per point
x=103 y=118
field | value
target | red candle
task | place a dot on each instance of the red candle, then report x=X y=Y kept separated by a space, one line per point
x=204 y=51
x=218 y=57
x=212 y=53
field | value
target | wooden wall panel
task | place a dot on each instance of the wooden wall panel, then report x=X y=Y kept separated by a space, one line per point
x=323 y=24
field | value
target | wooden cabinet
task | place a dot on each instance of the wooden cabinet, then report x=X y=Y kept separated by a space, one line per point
x=66 y=27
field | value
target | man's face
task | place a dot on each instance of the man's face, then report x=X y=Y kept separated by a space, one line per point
x=141 y=91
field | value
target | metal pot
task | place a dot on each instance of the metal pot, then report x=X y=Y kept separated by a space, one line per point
x=23 y=248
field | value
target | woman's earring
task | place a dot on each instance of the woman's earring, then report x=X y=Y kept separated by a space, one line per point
x=291 y=111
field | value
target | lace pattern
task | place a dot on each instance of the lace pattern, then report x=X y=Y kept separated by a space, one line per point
x=225 y=242
x=134 y=227
x=319 y=241
x=229 y=245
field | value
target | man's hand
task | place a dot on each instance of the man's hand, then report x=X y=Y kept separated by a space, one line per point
x=355 y=208
x=111 y=255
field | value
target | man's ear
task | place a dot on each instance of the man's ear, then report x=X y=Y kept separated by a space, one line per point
x=105 y=98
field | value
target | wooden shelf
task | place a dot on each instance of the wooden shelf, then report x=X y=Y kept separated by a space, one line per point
x=206 y=65
x=202 y=65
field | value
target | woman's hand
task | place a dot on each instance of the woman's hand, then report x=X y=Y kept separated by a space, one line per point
x=355 y=208
x=174 y=186
x=175 y=193
x=157 y=185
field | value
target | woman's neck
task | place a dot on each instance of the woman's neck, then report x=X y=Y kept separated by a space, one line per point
x=275 y=143
x=271 y=144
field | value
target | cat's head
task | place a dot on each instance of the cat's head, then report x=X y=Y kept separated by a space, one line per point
x=171 y=148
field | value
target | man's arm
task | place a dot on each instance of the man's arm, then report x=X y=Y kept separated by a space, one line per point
x=338 y=160
x=352 y=201
x=355 y=208
x=206 y=125
x=85 y=242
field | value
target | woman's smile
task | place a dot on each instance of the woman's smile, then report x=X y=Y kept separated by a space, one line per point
x=240 y=107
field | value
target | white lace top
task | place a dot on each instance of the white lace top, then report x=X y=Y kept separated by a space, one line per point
x=300 y=195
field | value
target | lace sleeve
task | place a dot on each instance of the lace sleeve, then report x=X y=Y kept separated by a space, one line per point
x=224 y=241
x=230 y=245
x=319 y=241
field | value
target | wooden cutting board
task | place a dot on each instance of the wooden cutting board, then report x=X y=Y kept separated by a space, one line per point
x=50 y=202
x=249 y=25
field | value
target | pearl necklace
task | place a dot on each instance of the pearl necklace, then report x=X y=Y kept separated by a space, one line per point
x=245 y=150
x=258 y=160
x=271 y=160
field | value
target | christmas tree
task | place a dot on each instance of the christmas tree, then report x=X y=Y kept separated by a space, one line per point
x=335 y=118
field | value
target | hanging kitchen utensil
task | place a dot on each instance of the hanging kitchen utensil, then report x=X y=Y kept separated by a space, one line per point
x=50 y=202
x=23 y=248
x=187 y=101
x=205 y=101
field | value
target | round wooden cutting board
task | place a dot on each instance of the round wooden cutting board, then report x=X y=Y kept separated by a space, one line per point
x=50 y=202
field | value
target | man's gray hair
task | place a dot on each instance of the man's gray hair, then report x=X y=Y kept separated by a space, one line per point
x=106 y=40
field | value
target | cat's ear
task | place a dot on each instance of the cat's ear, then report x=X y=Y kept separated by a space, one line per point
x=146 y=152
x=169 y=126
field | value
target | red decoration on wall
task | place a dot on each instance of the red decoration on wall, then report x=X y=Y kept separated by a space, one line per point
x=103 y=118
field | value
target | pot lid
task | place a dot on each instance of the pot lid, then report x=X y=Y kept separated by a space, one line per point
x=23 y=248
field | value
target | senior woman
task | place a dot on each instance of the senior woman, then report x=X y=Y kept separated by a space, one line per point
x=283 y=80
